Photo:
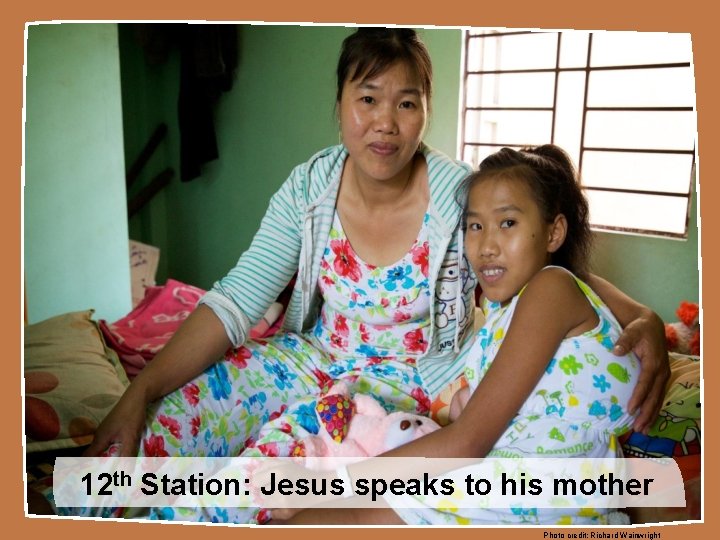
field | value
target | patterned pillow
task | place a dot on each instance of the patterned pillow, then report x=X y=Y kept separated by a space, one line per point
x=676 y=430
x=676 y=433
x=72 y=380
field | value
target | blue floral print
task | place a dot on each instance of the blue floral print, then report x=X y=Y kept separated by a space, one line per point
x=219 y=382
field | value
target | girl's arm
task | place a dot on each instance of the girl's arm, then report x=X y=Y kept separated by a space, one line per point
x=551 y=308
x=644 y=334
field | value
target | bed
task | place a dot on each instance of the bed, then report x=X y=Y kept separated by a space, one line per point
x=76 y=368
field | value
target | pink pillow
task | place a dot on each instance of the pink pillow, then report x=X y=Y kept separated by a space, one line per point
x=139 y=335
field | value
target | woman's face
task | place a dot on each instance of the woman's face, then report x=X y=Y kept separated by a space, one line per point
x=382 y=122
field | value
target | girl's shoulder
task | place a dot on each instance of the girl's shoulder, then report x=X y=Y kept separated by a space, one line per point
x=553 y=281
x=556 y=293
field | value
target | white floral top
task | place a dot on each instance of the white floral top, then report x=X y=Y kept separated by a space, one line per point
x=374 y=311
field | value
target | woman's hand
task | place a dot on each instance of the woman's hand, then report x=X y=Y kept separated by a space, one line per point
x=645 y=336
x=121 y=428
x=197 y=344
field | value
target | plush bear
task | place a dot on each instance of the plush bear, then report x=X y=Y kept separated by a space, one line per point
x=360 y=427
x=684 y=336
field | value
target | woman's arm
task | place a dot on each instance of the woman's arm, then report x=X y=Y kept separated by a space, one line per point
x=223 y=318
x=199 y=342
x=644 y=334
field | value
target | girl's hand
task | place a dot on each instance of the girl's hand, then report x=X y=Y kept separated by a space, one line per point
x=645 y=336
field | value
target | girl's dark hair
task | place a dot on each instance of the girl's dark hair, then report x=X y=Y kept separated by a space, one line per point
x=549 y=173
x=370 y=51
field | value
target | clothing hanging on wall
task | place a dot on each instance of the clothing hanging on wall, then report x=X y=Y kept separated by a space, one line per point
x=208 y=58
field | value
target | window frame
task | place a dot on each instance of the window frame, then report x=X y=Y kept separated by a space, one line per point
x=587 y=69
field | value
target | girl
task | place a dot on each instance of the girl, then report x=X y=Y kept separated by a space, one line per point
x=543 y=381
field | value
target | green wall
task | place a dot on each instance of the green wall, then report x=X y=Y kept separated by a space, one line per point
x=75 y=223
x=658 y=272
x=279 y=112
x=149 y=98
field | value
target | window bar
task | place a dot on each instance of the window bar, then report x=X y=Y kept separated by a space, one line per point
x=639 y=150
x=641 y=66
x=636 y=191
x=569 y=69
x=585 y=107
x=499 y=144
x=641 y=109
x=509 y=108
x=503 y=34
x=555 y=88
x=496 y=88
x=689 y=197
x=605 y=109
x=637 y=231
x=464 y=94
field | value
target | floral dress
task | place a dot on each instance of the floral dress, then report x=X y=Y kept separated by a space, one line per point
x=260 y=399
x=577 y=409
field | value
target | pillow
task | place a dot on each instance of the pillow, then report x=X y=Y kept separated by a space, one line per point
x=72 y=380
x=676 y=430
x=139 y=335
x=676 y=433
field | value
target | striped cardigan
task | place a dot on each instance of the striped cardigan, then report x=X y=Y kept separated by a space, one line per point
x=293 y=235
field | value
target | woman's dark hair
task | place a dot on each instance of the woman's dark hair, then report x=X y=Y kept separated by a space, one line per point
x=551 y=176
x=370 y=51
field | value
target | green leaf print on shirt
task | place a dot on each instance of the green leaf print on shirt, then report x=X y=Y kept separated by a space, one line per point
x=619 y=372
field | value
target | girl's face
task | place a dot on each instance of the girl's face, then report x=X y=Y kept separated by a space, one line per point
x=382 y=121
x=507 y=240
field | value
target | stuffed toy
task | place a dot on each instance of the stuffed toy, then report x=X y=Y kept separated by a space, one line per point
x=684 y=336
x=360 y=427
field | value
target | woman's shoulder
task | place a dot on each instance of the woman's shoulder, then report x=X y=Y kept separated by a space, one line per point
x=314 y=176
x=441 y=166
x=445 y=175
x=321 y=164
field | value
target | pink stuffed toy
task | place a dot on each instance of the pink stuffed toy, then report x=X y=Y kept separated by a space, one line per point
x=360 y=427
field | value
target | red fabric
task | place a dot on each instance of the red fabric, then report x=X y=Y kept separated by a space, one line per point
x=139 y=335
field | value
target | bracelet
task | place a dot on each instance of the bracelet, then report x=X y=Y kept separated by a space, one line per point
x=343 y=474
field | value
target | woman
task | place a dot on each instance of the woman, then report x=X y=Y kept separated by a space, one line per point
x=383 y=297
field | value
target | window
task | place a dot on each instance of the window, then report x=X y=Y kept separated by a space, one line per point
x=622 y=104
